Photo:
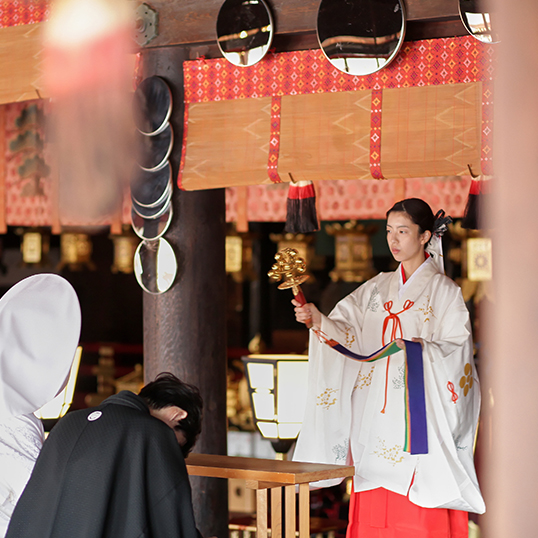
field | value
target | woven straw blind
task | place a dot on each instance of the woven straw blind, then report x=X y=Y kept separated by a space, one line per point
x=325 y=136
x=431 y=131
x=20 y=58
x=227 y=144
x=427 y=131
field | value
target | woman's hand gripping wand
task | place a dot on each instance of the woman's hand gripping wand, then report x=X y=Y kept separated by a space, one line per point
x=290 y=268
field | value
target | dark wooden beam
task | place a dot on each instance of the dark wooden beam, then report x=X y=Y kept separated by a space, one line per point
x=308 y=40
x=193 y=21
x=417 y=30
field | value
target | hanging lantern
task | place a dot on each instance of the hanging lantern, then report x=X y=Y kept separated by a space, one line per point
x=277 y=386
x=474 y=254
x=234 y=253
x=76 y=251
x=124 y=250
x=31 y=247
x=34 y=246
x=479 y=259
x=239 y=256
x=353 y=251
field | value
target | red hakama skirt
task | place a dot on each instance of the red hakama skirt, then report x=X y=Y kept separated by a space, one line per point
x=380 y=513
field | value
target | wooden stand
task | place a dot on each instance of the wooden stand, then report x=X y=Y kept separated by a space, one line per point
x=263 y=475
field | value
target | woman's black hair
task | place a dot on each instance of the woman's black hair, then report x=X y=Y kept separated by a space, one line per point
x=418 y=211
x=166 y=391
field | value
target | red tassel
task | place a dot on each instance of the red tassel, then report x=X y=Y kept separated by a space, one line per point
x=301 y=208
x=473 y=210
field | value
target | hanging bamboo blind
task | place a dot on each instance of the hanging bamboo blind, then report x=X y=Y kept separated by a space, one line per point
x=20 y=58
x=428 y=114
x=325 y=136
x=431 y=131
x=424 y=131
x=227 y=143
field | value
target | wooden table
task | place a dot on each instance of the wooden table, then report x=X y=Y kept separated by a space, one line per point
x=275 y=475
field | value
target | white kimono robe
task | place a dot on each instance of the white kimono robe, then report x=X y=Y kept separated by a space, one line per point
x=39 y=331
x=343 y=420
x=21 y=439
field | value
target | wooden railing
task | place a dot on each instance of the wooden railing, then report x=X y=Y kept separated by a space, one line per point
x=277 y=476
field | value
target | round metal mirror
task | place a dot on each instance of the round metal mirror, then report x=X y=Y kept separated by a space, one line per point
x=152 y=106
x=149 y=189
x=360 y=37
x=154 y=150
x=476 y=16
x=244 y=31
x=155 y=266
x=152 y=212
x=151 y=229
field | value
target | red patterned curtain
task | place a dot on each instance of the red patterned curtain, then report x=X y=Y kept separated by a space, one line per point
x=18 y=12
x=282 y=116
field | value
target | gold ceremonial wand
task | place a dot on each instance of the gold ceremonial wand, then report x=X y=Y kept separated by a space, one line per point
x=291 y=269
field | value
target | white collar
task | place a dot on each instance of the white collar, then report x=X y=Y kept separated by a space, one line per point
x=401 y=286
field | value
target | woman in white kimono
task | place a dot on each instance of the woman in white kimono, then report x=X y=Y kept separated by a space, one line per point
x=39 y=332
x=355 y=412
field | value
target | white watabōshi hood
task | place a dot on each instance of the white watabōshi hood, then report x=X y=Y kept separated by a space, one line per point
x=39 y=331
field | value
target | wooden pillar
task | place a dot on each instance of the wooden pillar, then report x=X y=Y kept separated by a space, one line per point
x=510 y=368
x=184 y=328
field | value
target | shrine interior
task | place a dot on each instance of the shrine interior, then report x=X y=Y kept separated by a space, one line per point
x=161 y=188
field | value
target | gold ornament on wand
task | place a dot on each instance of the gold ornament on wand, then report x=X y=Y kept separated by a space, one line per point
x=290 y=268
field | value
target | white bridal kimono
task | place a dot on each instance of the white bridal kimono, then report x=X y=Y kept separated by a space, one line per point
x=343 y=420
x=39 y=331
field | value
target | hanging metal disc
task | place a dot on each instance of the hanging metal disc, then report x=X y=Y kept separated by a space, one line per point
x=360 y=37
x=155 y=266
x=152 y=106
x=154 y=150
x=148 y=189
x=480 y=19
x=152 y=212
x=151 y=229
x=244 y=31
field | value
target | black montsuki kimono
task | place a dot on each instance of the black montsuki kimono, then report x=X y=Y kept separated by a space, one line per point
x=112 y=471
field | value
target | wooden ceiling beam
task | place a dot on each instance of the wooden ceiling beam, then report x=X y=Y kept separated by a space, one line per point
x=190 y=22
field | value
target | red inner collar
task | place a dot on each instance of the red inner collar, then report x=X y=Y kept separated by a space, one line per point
x=404 y=279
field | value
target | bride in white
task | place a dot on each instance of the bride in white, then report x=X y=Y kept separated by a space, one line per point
x=39 y=332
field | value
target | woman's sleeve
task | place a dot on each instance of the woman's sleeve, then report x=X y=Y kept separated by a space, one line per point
x=453 y=394
x=344 y=324
x=449 y=353
x=325 y=430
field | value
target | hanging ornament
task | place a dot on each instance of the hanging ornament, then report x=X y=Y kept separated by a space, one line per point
x=301 y=214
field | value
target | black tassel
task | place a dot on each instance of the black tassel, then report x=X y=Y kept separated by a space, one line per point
x=471 y=217
x=301 y=214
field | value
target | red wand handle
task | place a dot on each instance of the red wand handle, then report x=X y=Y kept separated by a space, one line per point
x=299 y=296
